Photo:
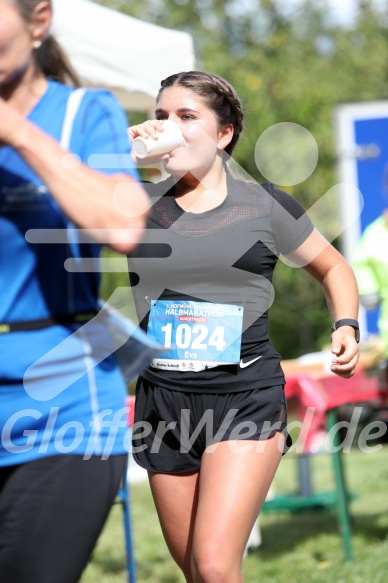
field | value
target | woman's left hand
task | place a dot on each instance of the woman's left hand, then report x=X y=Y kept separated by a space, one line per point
x=345 y=350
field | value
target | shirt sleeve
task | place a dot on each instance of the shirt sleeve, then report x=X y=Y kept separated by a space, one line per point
x=291 y=223
x=100 y=134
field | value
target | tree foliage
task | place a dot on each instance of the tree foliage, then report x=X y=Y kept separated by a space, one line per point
x=286 y=68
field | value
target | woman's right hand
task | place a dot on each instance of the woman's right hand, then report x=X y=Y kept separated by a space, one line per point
x=147 y=129
x=11 y=123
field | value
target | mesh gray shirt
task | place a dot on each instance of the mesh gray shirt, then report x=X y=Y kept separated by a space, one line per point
x=225 y=255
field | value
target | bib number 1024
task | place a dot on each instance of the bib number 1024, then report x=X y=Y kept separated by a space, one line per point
x=196 y=337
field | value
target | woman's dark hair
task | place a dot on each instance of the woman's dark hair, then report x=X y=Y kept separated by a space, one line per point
x=218 y=95
x=50 y=56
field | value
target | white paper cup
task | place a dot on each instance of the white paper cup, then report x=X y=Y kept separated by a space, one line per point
x=167 y=141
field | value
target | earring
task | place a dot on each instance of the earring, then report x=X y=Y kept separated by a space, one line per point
x=37 y=44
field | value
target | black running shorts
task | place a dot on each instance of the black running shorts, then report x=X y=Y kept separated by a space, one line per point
x=172 y=429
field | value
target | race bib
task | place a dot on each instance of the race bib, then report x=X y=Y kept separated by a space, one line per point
x=196 y=335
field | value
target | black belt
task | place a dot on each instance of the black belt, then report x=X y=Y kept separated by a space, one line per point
x=62 y=319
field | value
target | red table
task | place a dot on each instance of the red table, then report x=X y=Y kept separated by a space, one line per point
x=319 y=396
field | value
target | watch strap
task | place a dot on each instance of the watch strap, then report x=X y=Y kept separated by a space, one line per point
x=348 y=322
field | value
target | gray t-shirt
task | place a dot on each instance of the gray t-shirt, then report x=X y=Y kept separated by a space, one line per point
x=226 y=255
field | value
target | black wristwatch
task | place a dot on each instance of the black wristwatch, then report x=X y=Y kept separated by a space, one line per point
x=348 y=322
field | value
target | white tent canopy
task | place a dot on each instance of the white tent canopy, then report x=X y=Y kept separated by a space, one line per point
x=125 y=55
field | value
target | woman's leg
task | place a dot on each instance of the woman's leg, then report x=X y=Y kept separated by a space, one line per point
x=51 y=513
x=206 y=517
x=176 y=498
x=234 y=480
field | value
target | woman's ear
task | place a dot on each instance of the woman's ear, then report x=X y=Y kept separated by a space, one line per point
x=225 y=136
x=40 y=21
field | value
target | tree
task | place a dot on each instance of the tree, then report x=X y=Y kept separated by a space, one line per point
x=293 y=68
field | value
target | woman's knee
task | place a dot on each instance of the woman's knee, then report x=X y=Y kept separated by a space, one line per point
x=210 y=565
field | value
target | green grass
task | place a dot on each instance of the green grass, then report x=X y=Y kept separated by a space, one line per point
x=297 y=548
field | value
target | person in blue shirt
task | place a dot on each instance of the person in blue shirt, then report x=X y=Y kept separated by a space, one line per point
x=63 y=440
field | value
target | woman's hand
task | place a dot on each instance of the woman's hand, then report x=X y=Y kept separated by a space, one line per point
x=147 y=129
x=10 y=123
x=345 y=350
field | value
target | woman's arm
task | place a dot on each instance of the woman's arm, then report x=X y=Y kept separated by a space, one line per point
x=325 y=264
x=112 y=207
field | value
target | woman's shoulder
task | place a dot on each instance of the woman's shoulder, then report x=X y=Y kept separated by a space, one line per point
x=250 y=191
x=244 y=182
x=265 y=187
x=102 y=98
x=276 y=200
x=254 y=187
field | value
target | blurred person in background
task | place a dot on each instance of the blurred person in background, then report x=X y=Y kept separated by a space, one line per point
x=370 y=262
x=56 y=488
